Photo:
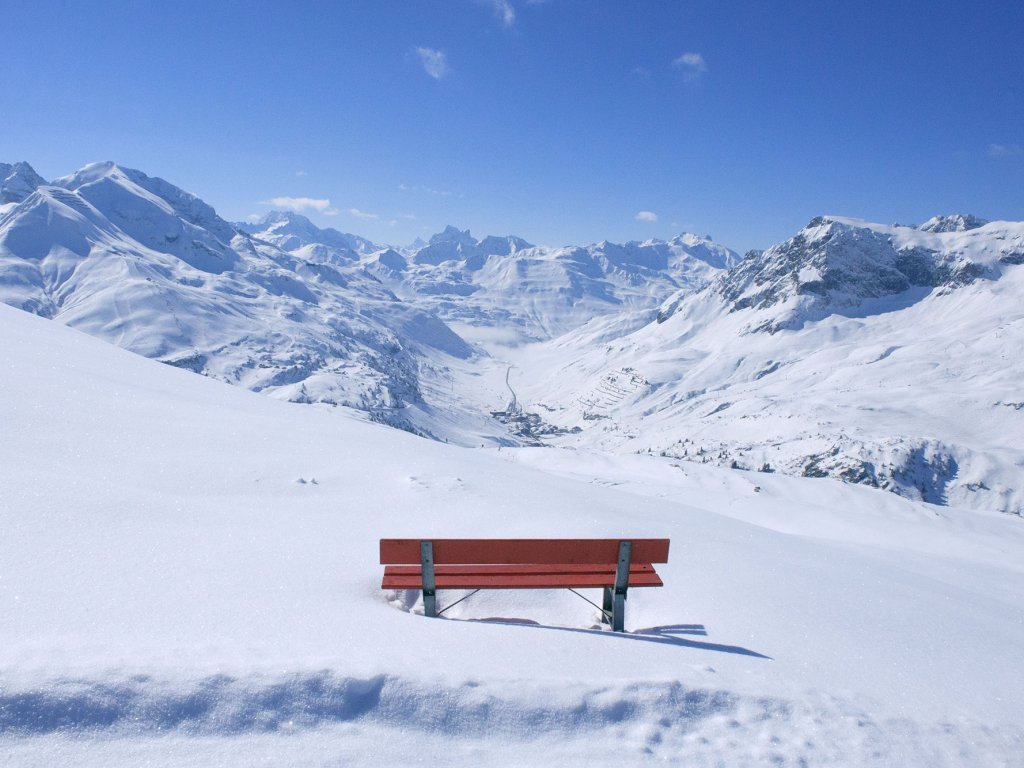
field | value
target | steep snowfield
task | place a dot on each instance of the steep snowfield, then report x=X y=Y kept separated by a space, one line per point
x=188 y=576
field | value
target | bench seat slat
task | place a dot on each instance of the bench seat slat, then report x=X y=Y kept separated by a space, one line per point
x=406 y=570
x=520 y=580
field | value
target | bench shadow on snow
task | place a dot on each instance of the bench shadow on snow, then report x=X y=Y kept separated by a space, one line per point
x=666 y=634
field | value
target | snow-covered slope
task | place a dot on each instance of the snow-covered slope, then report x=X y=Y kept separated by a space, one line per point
x=138 y=262
x=888 y=356
x=882 y=355
x=309 y=314
x=188 y=576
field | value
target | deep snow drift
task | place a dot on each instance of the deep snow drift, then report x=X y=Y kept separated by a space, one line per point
x=188 y=576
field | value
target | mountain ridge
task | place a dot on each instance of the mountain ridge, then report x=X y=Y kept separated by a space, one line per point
x=672 y=346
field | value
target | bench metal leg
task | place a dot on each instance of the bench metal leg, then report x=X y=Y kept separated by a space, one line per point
x=621 y=584
x=607 y=606
x=429 y=588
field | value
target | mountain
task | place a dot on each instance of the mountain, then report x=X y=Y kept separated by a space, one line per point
x=506 y=291
x=293 y=232
x=879 y=355
x=958 y=222
x=17 y=182
x=285 y=307
x=885 y=356
x=834 y=264
x=140 y=263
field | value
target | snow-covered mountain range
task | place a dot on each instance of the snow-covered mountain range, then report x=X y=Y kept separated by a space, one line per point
x=883 y=355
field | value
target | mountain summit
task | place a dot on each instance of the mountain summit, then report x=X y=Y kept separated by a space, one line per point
x=17 y=182
x=958 y=222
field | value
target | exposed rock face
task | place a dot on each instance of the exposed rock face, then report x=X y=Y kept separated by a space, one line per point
x=17 y=182
x=958 y=222
x=835 y=264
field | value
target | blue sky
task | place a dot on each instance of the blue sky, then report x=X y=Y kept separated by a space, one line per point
x=564 y=121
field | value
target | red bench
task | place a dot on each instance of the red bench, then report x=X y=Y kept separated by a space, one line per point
x=611 y=564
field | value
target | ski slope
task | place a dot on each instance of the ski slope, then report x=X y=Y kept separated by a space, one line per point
x=188 y=577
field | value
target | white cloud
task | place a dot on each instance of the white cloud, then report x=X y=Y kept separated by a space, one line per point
x=1005 y=150
x=435 y=62
x=646 y=216
x=253 y=218
x=300 y=204
x=362 y=214
x=420 y=188
x=301 y=173
x=691 y=64
x=505 y=12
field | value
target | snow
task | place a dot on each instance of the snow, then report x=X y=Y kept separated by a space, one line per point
x=173 y=593
x=879 y=354
x=308 y=314
x=188 y=570
x=906 y=387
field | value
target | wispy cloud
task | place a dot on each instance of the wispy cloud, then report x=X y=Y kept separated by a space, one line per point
x=1005 y=150
x=505 y=12
x=435 y=62
x=646 y=216
x=362 y=214
x=300 y=204
x=691 y=64
x=427 y=190
x=301 y=173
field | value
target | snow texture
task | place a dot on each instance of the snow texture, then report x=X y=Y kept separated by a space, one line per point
x=188 y=570
x=881 y=355
x=190 y=578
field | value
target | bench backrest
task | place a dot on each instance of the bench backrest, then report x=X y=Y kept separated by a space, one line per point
x=522 y=551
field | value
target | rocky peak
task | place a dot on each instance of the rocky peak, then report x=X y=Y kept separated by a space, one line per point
x=18 y=181
x=958 y=222
x=834 y=263
x=453 y=235
x=503 y=246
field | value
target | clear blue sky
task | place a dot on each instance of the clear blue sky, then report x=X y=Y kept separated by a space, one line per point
x=559 y=121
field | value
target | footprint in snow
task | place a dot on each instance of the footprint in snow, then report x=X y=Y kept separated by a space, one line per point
x=442 y=483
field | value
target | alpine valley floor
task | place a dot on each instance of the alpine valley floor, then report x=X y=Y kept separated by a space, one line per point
x=189 y=577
